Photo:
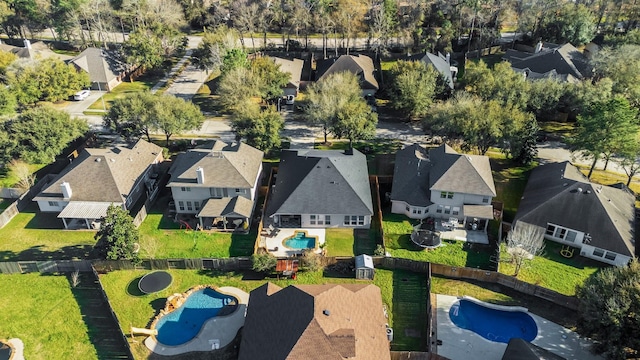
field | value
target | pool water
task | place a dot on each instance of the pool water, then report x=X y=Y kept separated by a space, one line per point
x=185 y=322
x=300 y=241
x=493 y=324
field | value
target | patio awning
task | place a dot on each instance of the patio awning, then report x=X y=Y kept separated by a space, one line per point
x=85 y=210
x=478 y=211
x=238 y=206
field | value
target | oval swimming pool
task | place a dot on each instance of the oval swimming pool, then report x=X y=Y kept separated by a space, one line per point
x=300 y=241
x=185 y=322
x=492 y=323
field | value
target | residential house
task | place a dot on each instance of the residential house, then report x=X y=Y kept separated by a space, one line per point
x=440 y=183
x=217 y=183
x=36 y=51
x=345 y=321
x=598 y=220
x=441 y=64
x=565 y=62
x=104 y=69
x=321 y=189
x=294 y=68
x=359 y=65
x=97 y=178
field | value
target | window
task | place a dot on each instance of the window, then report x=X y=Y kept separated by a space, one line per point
x=353 y=220
x=408 y=208
x=571 y=236
x=327 y=219
x=439 y=209
x=450 y=195
x=447 y=209
x=189 y=206
x=181 y=205
x=456 y=210
x=241 y=191
x=560 y=232
x=550 y=230
x=485 y=200
x=419 y=212
x=312 y=219
x=610 y=256
x=183 y=189
x=346 y=220
x=360 y=220
x=443 y=195
x=196 y=205
x=53 y=203
x=598 y=252
x=216 y=192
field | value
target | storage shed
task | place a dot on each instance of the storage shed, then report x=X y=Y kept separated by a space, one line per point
x=364 y=267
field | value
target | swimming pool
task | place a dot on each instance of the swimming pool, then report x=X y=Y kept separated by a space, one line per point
x=185 y=322
x=300 y=241
x=493 y=322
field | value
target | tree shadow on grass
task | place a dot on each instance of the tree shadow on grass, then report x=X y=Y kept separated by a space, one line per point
x=37 y=253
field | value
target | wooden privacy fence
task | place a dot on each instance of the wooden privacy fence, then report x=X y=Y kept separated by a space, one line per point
x=51 y=266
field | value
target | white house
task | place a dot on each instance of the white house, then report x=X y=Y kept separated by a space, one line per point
x=598 y=221
x=217 y=184
x=440 y=183
x=97 y=178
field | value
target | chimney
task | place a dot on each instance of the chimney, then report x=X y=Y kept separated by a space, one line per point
x=66 y=190
x=200 y=175
x=448 y=57
x=27 y=43
x=538 y=47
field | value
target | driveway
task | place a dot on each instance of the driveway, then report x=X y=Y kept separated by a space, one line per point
x=76 y=108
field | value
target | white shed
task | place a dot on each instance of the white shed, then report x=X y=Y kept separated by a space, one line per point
x=364 y=267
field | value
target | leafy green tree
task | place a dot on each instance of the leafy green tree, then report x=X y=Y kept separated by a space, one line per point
x=412 y=88
x=572 y=23
x=605 y=129
x=132 y=116
x=7 y=101
x=269 y=77
x=622 y=66
x=6 y=58
x=143 y=49
x=545 y=97
x=520 y=137
x=631 y=37
x=264 y=263
x=610 y=310
x=211 y=51
x=259 y=128
x=578 y=97
x=173 y=115
x=355 y=121
x=22 y=79
x=117 y=237
x=501 y=83
x=628 y=159
x=233 y=59
x=58 y=81
x=41 y=133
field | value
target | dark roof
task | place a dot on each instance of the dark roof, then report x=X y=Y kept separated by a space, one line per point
x=330 y=322
x=519 y=349
x=321 y=182
x=293 y=67
x=559 y=193
x=104 y=175
x=360 y=65
x=440 y=64
x=417 y=172
x=223 y=165
x=565 y=59
x=101 y=65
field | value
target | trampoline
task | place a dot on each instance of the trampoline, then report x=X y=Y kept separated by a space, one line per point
x=154 y=282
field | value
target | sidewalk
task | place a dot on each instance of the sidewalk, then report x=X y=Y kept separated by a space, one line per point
x=173 y=73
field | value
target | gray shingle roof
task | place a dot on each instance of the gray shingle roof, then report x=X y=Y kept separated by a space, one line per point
x=558 y=193
x=440 y=65
x=101 y=65
x=360 y=65
x=411 y=176
x=235 y=206
x=565 y=59
x=104 y=175
x=224 y=165
x=293 y=67
x=321 y=182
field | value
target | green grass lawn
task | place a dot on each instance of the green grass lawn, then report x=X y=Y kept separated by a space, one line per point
x=38 y=236
x=126 y=87
x=551 y=270
x=510 y=181
x=557 y=129
x=41 y=311
x=340 y=242
x=134 y=309
x=9 y=179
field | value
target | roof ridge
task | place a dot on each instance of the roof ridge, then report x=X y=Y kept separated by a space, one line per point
x=350 y=185
x=468 y=159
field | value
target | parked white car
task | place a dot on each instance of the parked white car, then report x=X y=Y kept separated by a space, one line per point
x=289 y=99
x=81 y=95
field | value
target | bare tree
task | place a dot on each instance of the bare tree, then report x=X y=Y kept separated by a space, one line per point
x=21 y=171
x=524 y=242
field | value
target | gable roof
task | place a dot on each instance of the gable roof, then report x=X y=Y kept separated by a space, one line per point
x=360 y=65
x=411 y=176
x=293 y=67
x=559 y=193
x=315 y=322
x=224 y=165
x=104 y=175
x=565 y=59
x=101 y=65
x=321 y=182
x=441 y=65
x=519 y=349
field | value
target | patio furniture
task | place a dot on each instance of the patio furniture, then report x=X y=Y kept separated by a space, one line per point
x=272 y=231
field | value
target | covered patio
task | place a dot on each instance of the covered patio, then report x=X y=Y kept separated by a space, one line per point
x=226 y=214
x=84 y=214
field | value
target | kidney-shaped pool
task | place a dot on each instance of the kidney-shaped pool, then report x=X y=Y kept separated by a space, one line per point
x=493 y=322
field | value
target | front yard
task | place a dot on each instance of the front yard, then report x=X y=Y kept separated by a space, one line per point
x=403 y=293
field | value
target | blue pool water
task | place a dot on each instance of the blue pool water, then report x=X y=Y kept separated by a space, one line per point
x=300 y=241
x=492 y=324
x=184 y=323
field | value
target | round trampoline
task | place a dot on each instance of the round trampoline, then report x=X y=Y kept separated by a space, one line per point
x=154 y=282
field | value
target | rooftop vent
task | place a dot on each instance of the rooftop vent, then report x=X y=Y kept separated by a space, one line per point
x=326 y=312
x=98 y=159
x=579 y=190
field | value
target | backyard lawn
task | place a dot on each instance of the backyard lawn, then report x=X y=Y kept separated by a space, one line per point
x=510 y=181
x=41 y=311
x=340 y=242
x=134 y=309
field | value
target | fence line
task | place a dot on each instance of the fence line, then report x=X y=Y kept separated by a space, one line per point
x=377 y=208
x=24 y=200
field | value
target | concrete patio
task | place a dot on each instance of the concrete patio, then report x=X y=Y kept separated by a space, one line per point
x=461 y=344
x=459 y=233
x=277 y=242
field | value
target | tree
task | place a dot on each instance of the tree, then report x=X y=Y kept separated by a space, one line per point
x=544 y=97
x=143 y=49
x=210 y=53
x=259 y=128
x=355 y=121
x=6 y=58
x=609 y=310
x=500 y=83
x=573 y=23
x=7 y=101
x=606 y=128
x=132 y=116
x=41 y=133
x=21 y=171
x=233 y=59
x=630 y=160
x=269 y=77
x=524 y=242
x=622 y=66
x=311 y=261
x=264 y=263
x=118 y=236
x=173 y=115
x=520 y=136
x=412 y=88
x=236 y=88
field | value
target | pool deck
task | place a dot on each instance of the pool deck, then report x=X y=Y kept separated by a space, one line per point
x=461 y=344
x=277 y=241
x=217 y=329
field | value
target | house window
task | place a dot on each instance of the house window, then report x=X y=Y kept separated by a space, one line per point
x=408 y=208
x=346 y=220
x=240 y=191
x=449 y=195
x=571 y=236
x=327 y=219
x=439 y=209
x=598 y=252
x=181 y=205
x=53 y=203
x=196 y=205
x=550 y=230
x=456 y=210
x=216 y=192
x=419 y=212
x=184 y=188
x=354 y=220
x=560 y=232
x=443 y=195
x=485 y=200
x=610 y=256
x=360 y=220
x=312 y=219
x=447 y=209
x=189 y=206
x=415 y=211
